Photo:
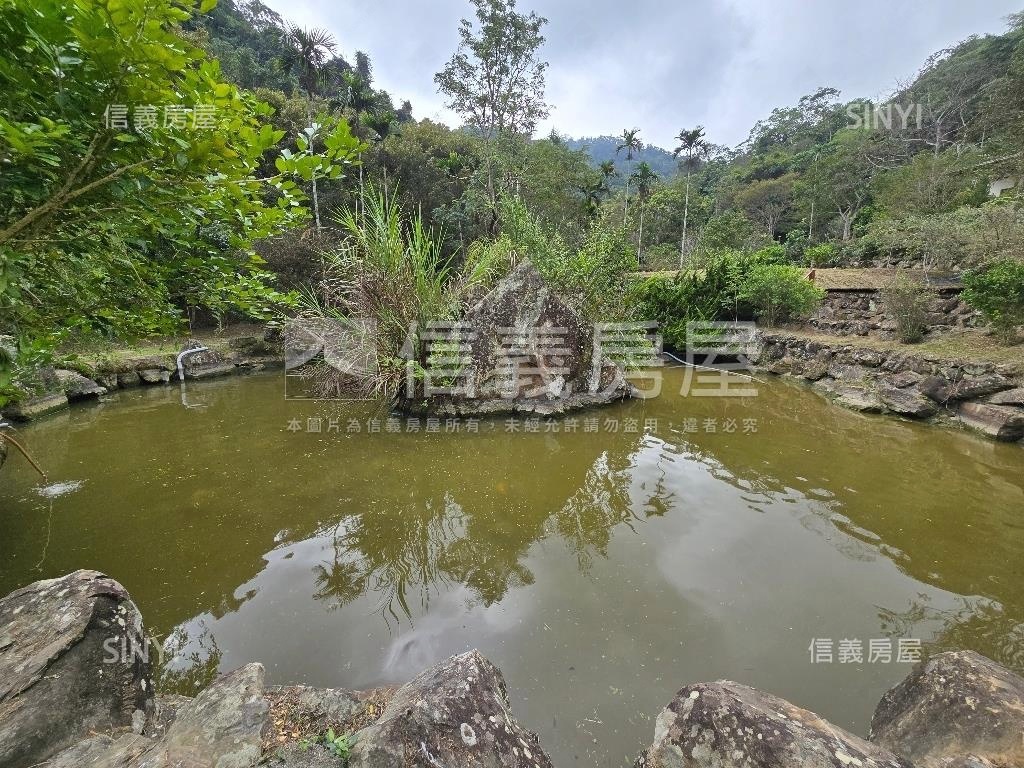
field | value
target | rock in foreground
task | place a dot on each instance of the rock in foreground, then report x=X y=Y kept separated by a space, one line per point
x=455 y=715
x=728 y=725
x=954 y=708
x=70 y=664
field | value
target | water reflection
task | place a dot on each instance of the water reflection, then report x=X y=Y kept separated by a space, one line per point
x=580 y=562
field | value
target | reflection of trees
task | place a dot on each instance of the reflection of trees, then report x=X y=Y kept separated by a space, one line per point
x=387 y=552
x=976 y=623
x=429 y=543
x=587 y=518
x=189 y=661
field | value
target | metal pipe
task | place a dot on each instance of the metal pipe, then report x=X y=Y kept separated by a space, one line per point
x=182 y=355
x=710 y=368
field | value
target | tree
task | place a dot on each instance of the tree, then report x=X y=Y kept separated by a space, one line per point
x=383 y=124
x=495 y=79
x=643 y=177
x=842 y=176
x=113 y=220
x=691 y=144
x=766 y=201
x=630 y=141
x=308 y=51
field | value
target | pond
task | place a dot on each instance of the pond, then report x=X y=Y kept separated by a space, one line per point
x=600 y=570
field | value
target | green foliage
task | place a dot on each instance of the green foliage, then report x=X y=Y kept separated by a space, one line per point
x=727 y=230
x=908 y=303
x=778 y=293
x=688 y=296
x=966 y=236
x=116 y=227
x=339 y=745
x=387 y=281
x=821 y=255
x=495 y=79
x=592 y=276
x=997 y=291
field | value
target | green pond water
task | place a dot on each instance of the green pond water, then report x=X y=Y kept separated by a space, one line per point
x=601 y=571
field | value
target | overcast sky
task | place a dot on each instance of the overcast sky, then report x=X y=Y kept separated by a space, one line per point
x=664 y=65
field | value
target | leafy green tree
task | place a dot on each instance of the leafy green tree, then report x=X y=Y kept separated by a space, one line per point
x=692 y=145
x=130 y=172
x=495 y=79
x=382 y=123
x=767 y=201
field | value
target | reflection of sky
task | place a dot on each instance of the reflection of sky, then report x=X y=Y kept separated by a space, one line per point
x=600 y=572
x=734 y=582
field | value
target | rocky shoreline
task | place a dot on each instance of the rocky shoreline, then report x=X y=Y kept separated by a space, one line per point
x=76 y=691
x=987 y=398
x=84 y=380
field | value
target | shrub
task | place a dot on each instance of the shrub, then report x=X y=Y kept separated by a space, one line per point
x=777 y=292
x=689 y=296
x=997 y=291
x=821 y=255
x=907 y=302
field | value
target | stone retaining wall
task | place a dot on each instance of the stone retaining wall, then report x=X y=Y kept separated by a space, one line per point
x=985 y=397
x=860 y=313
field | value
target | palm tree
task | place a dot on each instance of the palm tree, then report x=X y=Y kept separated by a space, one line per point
x=592 y=192
x=693 y=145
x=643 y=177
x=631 y=143
x=308 y=51
x=383 y=123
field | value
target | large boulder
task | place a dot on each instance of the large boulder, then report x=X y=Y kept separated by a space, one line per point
x=78 y=387
x=220 y=728
x=206 y=363
x=728 y=725
x=954 y=708
x=1008 y=397
x=72 y=662
x=455 y=715
x=906 y=401
x=999 y=421
x=558 y=366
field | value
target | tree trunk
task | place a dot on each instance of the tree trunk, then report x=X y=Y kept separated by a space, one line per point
x=686 y=215
x=625 y=211
x=640 y=237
